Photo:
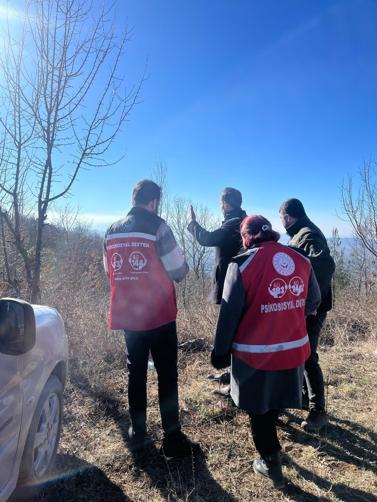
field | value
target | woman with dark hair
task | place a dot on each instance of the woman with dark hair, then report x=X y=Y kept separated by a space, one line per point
x=268 y=292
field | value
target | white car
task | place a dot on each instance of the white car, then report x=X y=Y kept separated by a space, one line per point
x=33 y=369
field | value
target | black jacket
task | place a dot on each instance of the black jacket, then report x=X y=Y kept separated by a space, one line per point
x=227 y=240
x=310 y=241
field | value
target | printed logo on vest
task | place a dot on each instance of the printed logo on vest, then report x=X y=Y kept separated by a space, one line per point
x=116 y=261
x=137 y=261
x=277 y=288
x=283 y=264
x=296 y=286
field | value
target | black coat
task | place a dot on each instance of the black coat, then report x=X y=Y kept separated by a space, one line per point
x=310 y=241
x=227 y=240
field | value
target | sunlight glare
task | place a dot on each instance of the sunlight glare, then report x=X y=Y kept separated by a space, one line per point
x=8 y=13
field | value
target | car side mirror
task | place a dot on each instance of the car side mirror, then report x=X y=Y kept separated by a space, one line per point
x=17 y=327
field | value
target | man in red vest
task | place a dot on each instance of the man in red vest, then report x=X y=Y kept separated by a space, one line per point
x=268 y=292
x=142 y=260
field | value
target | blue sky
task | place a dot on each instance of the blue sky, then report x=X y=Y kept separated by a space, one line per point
x=276 y=98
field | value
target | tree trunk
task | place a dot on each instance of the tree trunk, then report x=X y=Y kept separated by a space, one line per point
x=35 y=293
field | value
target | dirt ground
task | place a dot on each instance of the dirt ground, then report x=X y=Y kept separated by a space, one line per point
x=94 y=463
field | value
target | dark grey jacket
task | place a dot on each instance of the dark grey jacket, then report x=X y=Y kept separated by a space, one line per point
x=227 y=240
x=308 y=239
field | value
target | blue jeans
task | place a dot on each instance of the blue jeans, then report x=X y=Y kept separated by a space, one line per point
x=162 y=343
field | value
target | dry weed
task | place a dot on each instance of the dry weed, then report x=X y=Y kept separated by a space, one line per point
x=94 y=462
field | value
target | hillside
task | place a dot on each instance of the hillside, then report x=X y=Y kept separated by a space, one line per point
x=94 y=462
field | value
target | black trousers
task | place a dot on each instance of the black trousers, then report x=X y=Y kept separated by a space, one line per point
x=162 y=343
x=313 y=372
x=263 y=429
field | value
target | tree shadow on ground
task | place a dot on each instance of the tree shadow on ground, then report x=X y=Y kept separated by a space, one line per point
x=187 y=478
x=342 y=492
x=71 y=479
x=293 y=492
x=341 y=439
x=110 y=405
x=181 y=479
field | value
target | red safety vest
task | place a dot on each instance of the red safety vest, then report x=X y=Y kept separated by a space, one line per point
x=142 y=296
x=272 y=332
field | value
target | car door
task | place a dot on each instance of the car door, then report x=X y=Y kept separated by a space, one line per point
x=10 y=418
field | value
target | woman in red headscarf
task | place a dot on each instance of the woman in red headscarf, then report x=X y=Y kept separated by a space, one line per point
x=268 y=292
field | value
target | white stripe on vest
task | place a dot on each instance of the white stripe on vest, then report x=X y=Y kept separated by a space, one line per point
x=246 y=262
x=275 y=347
x=133 y=235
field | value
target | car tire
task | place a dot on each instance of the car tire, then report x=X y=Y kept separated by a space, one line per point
x=44 y=433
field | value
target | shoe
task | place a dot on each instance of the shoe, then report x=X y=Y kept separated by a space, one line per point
x=222 y=378
x=315 y=421
x=223 y=391
x=138 y=441
x=225 y=378
x=270 y=467
x=176 y=445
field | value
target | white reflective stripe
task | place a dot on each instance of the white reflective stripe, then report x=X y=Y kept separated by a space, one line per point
x=105 y=264
x=275 y=347
x=132 y=235
x=246 y=263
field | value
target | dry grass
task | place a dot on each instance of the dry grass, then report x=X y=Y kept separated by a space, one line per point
x=94 y=462
x=352 y=319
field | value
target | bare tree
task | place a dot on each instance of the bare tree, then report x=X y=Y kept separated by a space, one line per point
x=176 y=212
x=360 y=206
x=362 y=270
x=341 y=277
x=199 y=257
x=160 y=176
x=64 y=102
x=10 y=280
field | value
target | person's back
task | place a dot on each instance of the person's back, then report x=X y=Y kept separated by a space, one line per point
x=229 y=248
x=276 y=281
x=142 y=259
x=308 y=239
x=226 y=239
x=142 y=294
x=268 y=291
